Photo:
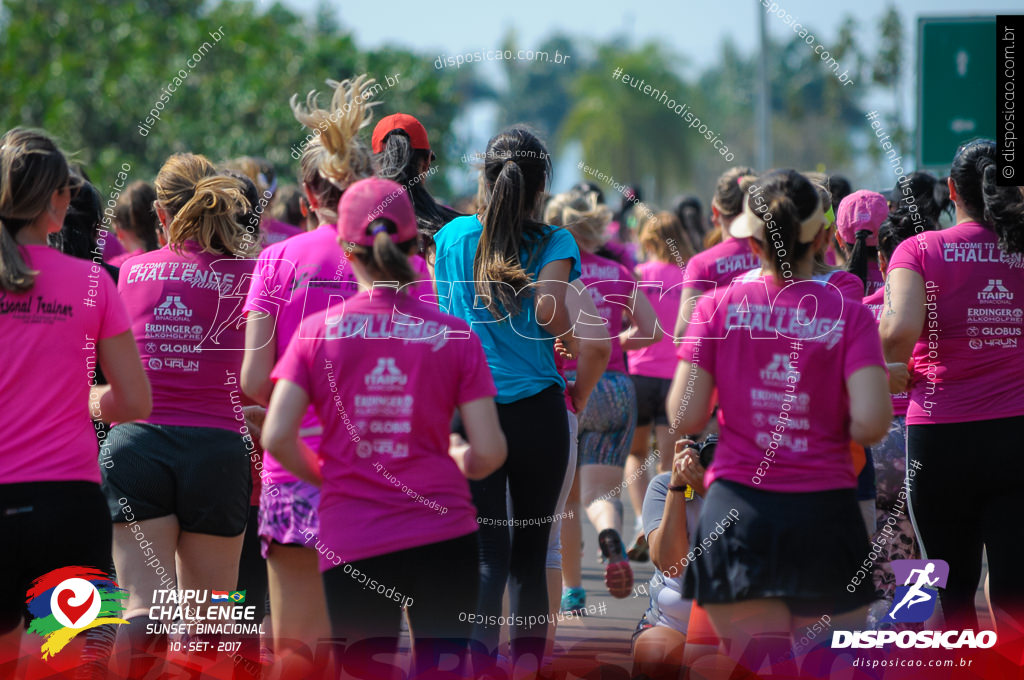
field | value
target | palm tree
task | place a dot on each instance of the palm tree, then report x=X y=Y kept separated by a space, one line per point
x=629 y=132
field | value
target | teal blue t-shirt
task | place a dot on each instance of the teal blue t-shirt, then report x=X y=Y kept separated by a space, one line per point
x=519 y=352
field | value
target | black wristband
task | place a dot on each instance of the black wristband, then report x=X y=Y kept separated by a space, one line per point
x=681 y=487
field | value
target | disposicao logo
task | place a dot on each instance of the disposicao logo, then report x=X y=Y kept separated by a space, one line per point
x=69 y=600
x=913 y=602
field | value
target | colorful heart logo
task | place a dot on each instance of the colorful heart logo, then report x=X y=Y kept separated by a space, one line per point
x=74 y=612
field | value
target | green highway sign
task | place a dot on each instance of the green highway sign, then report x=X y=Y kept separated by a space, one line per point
x=956 y=67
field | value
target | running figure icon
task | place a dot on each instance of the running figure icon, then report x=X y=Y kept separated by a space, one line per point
x=916 y=594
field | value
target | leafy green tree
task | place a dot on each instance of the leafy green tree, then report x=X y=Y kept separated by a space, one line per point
x=625 y=133
x=539 y=92
x=90 y=74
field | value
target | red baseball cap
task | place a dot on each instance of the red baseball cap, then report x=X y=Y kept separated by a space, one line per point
x=372 y=199
x=404 y=122
x=861 y=210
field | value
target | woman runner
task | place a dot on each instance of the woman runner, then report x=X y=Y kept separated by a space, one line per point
x=606 y=425
x=951 y=306
x=181 y=477
x=59 y=317
x=507 y=274
x=293 y=278
x=783 y=464
x=385 y=372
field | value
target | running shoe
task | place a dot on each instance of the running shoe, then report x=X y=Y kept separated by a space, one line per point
x=574 y=600
x=618 y=575
x=640 y=552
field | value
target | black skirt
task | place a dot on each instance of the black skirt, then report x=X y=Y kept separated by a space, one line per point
x=804 y=548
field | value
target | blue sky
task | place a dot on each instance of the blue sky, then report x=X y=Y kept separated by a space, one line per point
x=694 y=31
x=691 y=29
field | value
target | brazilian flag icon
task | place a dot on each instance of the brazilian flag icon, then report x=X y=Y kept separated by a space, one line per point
x=237 y=596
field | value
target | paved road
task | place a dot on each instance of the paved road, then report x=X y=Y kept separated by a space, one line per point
x=603 y=639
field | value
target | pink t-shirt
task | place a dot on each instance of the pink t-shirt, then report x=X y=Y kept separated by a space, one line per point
x=423 y=289
x=968 y=363
x=612 y=287
x=662 y=283
x=49 y=336
x=784 y=408
x=186 y=312
x=874 y=302
x=294 y=278
x=111 y=248
x=119 y=260
x=849 y=285
x=719 y=264
x=875 y=278
x=385 y=377
x=623 y=253
x=275 y=231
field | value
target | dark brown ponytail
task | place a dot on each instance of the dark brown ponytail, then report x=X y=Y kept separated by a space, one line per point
x=784 y=198
x=975 y=175
x=860 y=255
x=516 y=170
x=1004 y=210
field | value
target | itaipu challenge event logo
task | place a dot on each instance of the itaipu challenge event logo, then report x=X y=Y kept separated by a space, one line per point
x=70 y=600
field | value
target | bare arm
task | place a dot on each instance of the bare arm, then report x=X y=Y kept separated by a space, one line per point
x=288 y=404
x=487 y=448
x=552 y=313
x=870 y=405
x=259 y=358
x=903 y=314
x=127 y=396
x=669 y=547
x=689 y=399
x=645 y=329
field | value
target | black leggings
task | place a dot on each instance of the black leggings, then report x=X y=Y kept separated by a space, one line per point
x=436 y=582
x=966 y=494
x=43 y=526
x=537 y=431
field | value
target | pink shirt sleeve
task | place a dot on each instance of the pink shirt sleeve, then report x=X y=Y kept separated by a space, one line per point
x=863 y=344
x=908 y=255
x=850 y=285
x=476 y=380
x=115 y=318
x=696 y=274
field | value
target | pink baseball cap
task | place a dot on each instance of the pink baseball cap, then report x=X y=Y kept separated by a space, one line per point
x=369 y=200
x=861 y=210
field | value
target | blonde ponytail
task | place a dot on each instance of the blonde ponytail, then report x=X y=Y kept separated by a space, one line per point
x=582 y=215
x=210 y=217
x=335 y=158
